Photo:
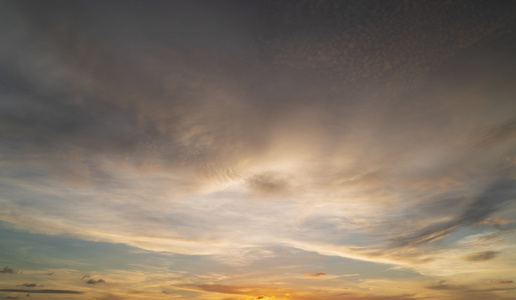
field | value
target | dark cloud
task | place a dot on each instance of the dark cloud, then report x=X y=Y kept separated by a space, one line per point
x=268 y=184
x=41 y=291
x=481 y=256
x=348 y=39
x=8 y=270
x=93 y=281
x=30 y=284
x=113 y=120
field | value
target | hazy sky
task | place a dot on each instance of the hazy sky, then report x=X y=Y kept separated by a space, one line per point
x=242 y=150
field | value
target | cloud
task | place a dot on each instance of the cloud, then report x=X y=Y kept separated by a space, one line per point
x=169 y=293
x=41 y=291
x=216 y=288
x=481 y=256
x=30 y=284
x=498 y=221
x=319 y=274
x=93 y=281
x=268 y=184
x=8 y=270
x=236 y=289
x=492 y=199
x=489 y=237
x=166 y=153
x=111 y=297
x=469 y=291
x=500 y=281
x=445 y=287
x=498 y=134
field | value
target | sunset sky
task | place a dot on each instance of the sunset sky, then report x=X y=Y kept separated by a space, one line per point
x=258 y=149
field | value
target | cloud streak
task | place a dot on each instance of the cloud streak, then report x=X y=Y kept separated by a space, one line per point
x=42 y=291
x=494 y=198
x=318 y=274
x=30 y=284
x=500 y=281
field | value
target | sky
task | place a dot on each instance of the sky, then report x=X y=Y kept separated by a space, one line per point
x=248 y=150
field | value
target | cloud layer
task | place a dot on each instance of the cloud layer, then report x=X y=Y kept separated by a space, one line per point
x=381 y=133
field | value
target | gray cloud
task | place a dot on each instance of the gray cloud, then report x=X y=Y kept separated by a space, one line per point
x=268 y=184
x=481 y=256
x=95 y=281
x=92 y=281
x=442 y=286
x=8 y=270
x=468 y=291
x=495 y=197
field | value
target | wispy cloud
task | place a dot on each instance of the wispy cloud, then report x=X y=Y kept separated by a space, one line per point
x=443 y=286
x=469 y=291
x=41 y=291
x=236 y=290
x=500 y=133
x=500 y=281
x=494 y=198
x=318 y=274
